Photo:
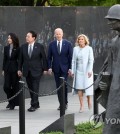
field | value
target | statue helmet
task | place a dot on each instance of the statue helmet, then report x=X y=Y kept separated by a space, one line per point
x=114 y=12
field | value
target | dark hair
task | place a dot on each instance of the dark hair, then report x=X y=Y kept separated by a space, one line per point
x=15 y=39
x=34 y=34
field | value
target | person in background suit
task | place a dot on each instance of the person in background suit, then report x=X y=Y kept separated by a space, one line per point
x=32 y=63
x=82 y=69
x=10 y=68
x=59 y=60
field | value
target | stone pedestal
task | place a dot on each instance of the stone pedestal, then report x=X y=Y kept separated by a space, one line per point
x=5 y=130
x=64 y=124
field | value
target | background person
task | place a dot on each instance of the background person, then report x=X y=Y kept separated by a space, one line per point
x=32 y=63
x=10 y=68
x=82 y=69
x=59 y=60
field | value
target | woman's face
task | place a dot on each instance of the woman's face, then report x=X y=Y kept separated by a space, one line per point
x=9 y=40
x=81 y=41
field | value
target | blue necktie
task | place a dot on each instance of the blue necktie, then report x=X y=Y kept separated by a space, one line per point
x=58 y=47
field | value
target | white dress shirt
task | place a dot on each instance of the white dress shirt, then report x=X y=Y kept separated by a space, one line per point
x=60 y=44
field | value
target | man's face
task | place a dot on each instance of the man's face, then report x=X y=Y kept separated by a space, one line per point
x=114 y=24
x=58 y=34
x=29 y=38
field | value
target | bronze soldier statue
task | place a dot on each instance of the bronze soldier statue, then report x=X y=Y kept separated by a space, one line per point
x=110 y=83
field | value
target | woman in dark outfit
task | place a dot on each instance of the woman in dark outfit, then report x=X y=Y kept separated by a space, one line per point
x=10 y=68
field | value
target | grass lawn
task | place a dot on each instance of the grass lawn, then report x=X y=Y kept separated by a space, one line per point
x=83 y=128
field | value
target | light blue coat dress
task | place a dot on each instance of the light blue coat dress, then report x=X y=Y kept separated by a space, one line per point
x=82 y=63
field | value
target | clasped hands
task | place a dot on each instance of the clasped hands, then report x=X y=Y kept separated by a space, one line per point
x=20 y=73
x=89 y=74
x=69 y=72
x=103 y=86
x=50 y=73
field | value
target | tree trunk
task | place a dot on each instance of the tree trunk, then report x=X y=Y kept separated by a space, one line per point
x=27 y=2
x=41 y=2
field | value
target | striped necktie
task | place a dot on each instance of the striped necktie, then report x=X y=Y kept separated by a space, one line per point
x=30 y=51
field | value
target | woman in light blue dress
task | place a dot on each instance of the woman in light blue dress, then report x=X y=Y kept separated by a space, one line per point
x=82 y=69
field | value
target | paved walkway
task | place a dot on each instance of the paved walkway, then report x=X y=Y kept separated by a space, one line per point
x=47 y=114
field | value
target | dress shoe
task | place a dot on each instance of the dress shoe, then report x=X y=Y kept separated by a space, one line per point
x=8 y=106
x=37 y=107
x=32 y=109
x=11 y=107
x=66 y=106
x=58 y=108
x=90 y=107
x=81 y=110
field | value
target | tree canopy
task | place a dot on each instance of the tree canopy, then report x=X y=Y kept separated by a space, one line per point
x=58 y=2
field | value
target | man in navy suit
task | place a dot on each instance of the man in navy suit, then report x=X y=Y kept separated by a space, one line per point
x=32 y=63
x=59 y=60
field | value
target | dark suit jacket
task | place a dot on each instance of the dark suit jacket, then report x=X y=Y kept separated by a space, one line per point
x=61 y=61
x=36 y=64
x=10 y=64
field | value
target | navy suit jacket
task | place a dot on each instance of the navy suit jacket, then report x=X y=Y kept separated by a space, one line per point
x=36 y=64
x=61 y=61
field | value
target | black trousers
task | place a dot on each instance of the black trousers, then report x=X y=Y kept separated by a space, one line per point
x=58 y=83
x=33 y=84
x=11 y=86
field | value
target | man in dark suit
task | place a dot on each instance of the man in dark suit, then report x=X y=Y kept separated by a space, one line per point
x=32 y=62
x=59 y=60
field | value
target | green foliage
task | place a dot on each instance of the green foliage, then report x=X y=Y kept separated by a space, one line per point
x=59 y=2
x=86 y=128
x=109 y=2
x=52 y=133
x=82 y=2
x=83 y=128
x=63 y=2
